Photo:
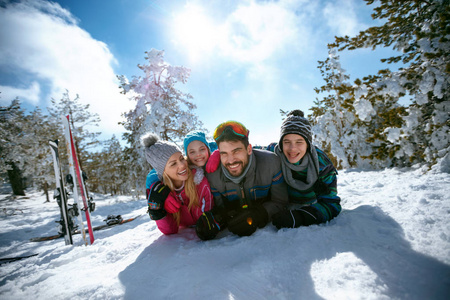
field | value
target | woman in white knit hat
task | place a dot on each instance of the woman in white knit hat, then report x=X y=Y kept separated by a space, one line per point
x=176 y=200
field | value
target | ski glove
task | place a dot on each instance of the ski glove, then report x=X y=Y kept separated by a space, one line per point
x=207 y=226
x=157 y=196
x=172 y=205
x=246 y=222
x=295 y=218
x=213 y=162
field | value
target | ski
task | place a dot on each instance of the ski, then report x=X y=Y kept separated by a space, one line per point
x=97 y=228
x=11 y=259
x=76 y=173
x=61 y=196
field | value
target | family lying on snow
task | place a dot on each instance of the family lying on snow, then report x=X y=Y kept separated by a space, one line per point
x=244 y=188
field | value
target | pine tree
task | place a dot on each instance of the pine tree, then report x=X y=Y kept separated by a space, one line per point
x=24 y=148
x=337 y=128
x=39 y=163
x=109 y=169
x=160 y=108
x=81 y=122
x=12 y=154
x=417 y=133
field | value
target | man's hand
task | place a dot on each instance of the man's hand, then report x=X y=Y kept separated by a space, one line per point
x=295 y=218
x=248 y=220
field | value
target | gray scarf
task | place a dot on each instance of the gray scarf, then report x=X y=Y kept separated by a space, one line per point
x=310 y=162
x=238 y=179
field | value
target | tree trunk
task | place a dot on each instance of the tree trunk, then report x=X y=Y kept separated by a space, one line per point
x=46 y=192
x=15 y=178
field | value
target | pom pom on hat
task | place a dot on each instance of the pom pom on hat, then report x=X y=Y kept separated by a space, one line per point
x=296 y=123
x=296 y=113
x=158 y=152
x=149 y=139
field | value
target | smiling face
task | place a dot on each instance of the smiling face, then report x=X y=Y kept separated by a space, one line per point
x=177 y=169
x=234 y=156
x=197 y=153
x=294 y=147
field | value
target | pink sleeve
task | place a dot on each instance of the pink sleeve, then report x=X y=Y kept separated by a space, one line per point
x=213 y=162
x=206 y=198
x=167 y=225
x=172 y=204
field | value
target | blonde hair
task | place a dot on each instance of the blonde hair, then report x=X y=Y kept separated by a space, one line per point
x=189 y=189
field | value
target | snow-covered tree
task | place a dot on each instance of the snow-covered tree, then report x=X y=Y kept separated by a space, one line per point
x=417 y=133
x=24 y=148
x=160 y=108
x=108 y=169
x=349 y=121
x=81 y=122
x=12 y=154
x=39 y=161
x=335 y=123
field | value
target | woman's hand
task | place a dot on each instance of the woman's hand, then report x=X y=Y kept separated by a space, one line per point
x=172 y=204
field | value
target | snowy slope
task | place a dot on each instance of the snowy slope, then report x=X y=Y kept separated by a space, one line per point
x=392 y=241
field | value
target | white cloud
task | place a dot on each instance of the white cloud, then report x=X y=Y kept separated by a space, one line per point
x=252 y=32
x=30 y=94
x=264 y=54
x=341 y=16
x=267 y=51
x=43 y=39
x=256 y=32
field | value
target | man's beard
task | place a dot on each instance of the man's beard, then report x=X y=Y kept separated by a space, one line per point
x=239 y=169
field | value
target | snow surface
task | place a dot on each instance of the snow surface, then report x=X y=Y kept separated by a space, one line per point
x=392 y=241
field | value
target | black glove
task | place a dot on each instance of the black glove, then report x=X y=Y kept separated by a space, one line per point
x=295 y=218
x=157 y=196
x=246 y=222
x=207 y=226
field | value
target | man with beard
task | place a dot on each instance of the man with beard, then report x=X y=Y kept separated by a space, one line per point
x=248 y=185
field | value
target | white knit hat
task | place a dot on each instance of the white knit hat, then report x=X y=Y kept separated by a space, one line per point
x=158 y=152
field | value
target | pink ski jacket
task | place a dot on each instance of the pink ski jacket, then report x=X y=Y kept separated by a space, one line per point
x=168 y=225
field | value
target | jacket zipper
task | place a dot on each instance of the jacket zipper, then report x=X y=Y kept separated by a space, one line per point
x=244 y=203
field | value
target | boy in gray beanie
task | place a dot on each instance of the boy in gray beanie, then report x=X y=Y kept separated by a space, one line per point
x=296 y=123
x=309 y=174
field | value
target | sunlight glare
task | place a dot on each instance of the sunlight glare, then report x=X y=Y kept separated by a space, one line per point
x=195 y=32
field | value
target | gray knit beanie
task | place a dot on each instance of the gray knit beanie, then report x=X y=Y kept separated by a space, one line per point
x=158 y=152
x=296 y=123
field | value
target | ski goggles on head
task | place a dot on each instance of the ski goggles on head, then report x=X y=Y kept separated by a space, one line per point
x=236 y=127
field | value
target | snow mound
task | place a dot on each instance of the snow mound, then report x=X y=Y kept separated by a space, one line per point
x=392 y=241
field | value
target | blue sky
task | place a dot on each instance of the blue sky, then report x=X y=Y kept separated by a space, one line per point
x=248 y=59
